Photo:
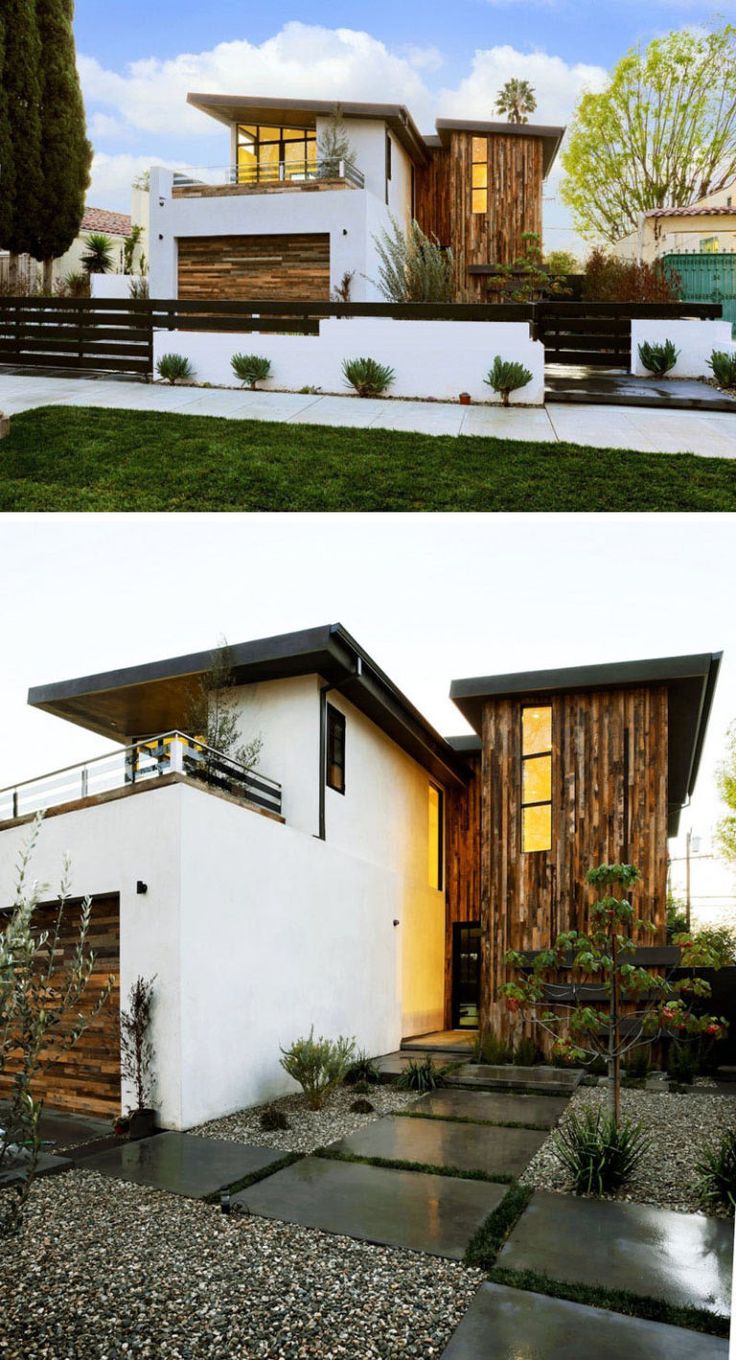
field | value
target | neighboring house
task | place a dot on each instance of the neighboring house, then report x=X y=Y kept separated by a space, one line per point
x=283 y=220
x=370 y=883
x=113 y=224
x=706 y=227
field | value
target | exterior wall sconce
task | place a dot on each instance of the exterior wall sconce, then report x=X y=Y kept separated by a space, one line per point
x=162 y=202
x=141 y=888
x=397 y=923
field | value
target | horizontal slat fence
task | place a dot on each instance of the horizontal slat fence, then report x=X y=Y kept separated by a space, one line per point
x=116 y=335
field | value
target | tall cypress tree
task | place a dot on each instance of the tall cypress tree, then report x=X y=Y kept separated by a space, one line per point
x=66 y=154
x=21 y=84
x=6 y=161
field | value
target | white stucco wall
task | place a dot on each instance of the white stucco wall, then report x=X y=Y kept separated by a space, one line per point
x=437 y=359
x=351 y=217
x=696 y=341
x=110 y=285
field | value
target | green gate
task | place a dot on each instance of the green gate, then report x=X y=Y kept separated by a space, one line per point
x=708 y=278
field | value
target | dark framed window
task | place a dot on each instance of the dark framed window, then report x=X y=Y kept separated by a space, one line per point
x=272 y=153
x=389 y=162
x=335 y=749
x=536 y=779
x=479 y=175
x=435 y=836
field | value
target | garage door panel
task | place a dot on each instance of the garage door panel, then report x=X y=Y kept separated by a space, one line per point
x=244 y=268
x=86 y=1079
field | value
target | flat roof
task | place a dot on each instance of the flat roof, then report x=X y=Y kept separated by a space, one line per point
x=690 y=682
x=156 y=697
x=236 y=108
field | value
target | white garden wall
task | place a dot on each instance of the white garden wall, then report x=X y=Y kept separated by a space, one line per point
x=695 y=340
x=437 y=359
x=110 y=285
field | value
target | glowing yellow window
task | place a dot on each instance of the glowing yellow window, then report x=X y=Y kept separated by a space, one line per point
x=536 y=779
x=434 y=836
x=479 y=175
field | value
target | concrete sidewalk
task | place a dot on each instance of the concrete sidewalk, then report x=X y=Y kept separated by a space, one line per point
x=711 y=434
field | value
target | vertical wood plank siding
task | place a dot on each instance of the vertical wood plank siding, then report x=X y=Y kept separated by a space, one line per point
x=526 y=899
x=295 y=267
x=85 y=1080
x=515 y=187
x=463 y=859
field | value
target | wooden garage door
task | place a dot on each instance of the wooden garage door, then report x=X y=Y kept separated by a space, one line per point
x=244 y=268
x=87 y=1078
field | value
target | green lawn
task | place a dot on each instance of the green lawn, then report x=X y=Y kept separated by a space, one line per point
x=79 y=459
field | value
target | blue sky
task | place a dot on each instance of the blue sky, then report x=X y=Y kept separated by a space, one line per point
x=138 y=61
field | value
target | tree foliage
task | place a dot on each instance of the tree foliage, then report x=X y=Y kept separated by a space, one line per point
x=334 y=146
x=414 y=267
x=214 y=715
x=136 y=1049
x=663 y=134
x=726 y=776
x=66 y=154
x=6 y=161
x=517 y=100
x=600 y=960
x=528 y=278
x=40 y=1018
x=21 y=173
x=609 y=279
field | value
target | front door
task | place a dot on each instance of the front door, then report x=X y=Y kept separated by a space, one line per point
x=465 y=974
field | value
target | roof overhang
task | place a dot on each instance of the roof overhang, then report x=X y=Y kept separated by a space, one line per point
x=690 y=682
x=229 y=108
x=551 y=137
x=156 y=697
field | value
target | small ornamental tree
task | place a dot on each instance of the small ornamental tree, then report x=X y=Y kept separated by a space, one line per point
x=214 y=715
x=640 y=1006
x=528 y=278
x=136 y=1049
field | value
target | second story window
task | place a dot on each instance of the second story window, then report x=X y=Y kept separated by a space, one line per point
x=435 y=836
x=536 y=779
x=335 y=749
x=479 y=175
x=275 y=153
x=389 y=163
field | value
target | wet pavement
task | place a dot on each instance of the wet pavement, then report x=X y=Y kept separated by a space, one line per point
x=511 y=1324
x=183 y=1163
x=434 y=1142
x=496 y=1107
x=47 y=1165
x=681 y=1258
x=612 y=387
x=557 y=1080
x=405 y=1209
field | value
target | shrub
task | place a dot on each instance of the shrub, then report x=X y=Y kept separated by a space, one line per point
x=367 y=376
x=251 y=368
x=414 y=267
x=361 y=1088
x=489 y=1049
x=717 y=1171
x=598 y=1154
x=598 y=1067
x=421 y=1075
x=318 y=1065
x=362 y=1107
x=719 y=940
x=73 y=285
x=98 y=257
x=362 y=1071
x=174 y=368
x=682 y=1063
x=638 y=1063
x=506 y=377
x=272 y=1120
x=608 y=279
x=525 y=1053
x=138 y=288
x=659 y=359
x=136 y=1049
x=724 y=368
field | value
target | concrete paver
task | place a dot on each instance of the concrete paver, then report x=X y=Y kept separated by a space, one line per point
x=507 y=1324
x=494 y=1106
x=183 y=1163
x=436 y=1142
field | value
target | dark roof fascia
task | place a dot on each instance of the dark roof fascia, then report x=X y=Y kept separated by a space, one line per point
x=229 y=108
x=690 y=681
x=466 y=743
x=328 y=651
x=550 y=136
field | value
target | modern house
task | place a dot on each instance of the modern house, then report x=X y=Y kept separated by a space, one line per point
x=368 y=883
x=707 y=227
x=286 y=217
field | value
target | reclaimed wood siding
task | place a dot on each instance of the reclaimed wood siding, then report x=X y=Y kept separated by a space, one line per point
x=86 y=1079
x=515 y=187
x=463 y=859
x=295 y=267
x=601 y=801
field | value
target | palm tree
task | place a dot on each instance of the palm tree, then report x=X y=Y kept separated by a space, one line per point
x=517 y=100
x=98 y=257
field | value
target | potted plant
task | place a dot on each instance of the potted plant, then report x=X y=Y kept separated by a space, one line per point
x=465 y=398
x=136 y=1056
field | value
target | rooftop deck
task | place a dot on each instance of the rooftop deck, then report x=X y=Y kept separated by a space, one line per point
x=280 y=176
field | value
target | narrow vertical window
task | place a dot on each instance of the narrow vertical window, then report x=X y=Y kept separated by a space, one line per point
x=536 y=779
x=335 y=749
x=389 y=163
x=435 y=836
x=479 y=175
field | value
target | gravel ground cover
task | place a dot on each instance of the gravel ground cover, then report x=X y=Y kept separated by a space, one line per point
x=680 y=1126
x=310 y=1129
x=104 y=1270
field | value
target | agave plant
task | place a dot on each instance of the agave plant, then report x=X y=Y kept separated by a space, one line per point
x=251 y=368
x=174 y=368
x=598 y=1153
x=723 y=367
x=717 y=1172
x=659 y=359
x=507 y=376
x=422 y=1075
x=367 y=376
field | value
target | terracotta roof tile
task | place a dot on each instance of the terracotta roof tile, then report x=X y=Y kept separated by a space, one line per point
x=99 y=219
x=693 y=211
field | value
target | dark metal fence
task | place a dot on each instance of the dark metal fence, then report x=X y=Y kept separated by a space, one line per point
x=598 y=334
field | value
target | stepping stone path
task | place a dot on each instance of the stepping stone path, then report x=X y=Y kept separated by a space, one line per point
x=681 y=1258
x=556 y=1080
x=406 y=1209
x=46 y=1165
x=437 y=1142
x=505 y=1324
x=495 y=1107
x=183 y=1163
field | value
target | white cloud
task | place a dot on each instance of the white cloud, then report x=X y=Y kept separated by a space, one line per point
x=558 y=85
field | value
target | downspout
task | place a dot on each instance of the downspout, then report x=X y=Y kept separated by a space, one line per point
x=324 y=690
